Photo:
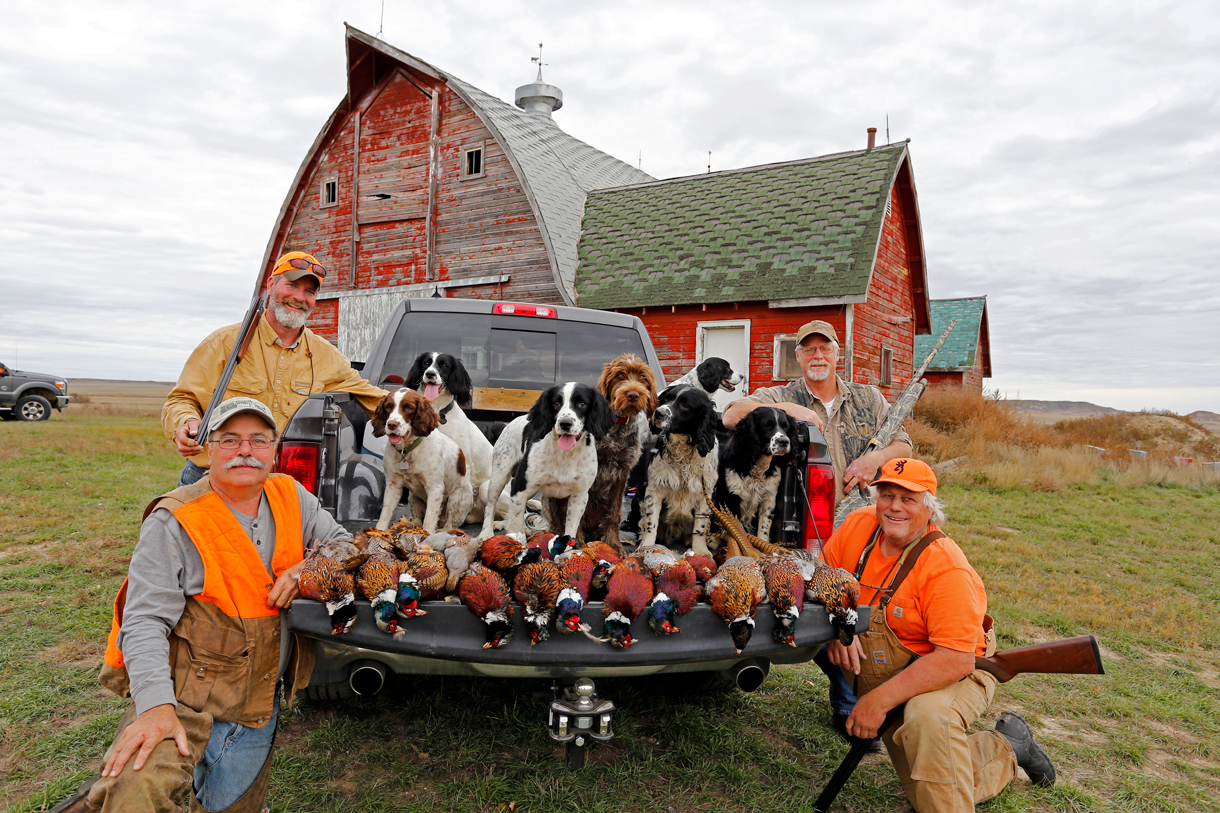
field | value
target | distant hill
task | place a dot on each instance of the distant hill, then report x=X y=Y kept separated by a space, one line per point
x=1052 y=411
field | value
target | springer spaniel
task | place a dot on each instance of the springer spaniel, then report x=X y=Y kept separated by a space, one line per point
x=552 y=449
x=710 y=375
x=629 y=386
x=749 y=469
x=672 y=506
x=443 y=380
x=427 y=464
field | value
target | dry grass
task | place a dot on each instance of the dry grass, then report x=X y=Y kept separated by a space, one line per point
x=994 y=445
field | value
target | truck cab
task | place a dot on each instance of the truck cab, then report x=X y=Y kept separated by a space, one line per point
x=26 y=396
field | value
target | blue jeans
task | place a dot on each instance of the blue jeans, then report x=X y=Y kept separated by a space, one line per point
x=232 y=761
x=842 y=698
x=191 y=474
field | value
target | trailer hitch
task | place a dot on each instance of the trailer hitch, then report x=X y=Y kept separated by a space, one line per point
x=576 y=717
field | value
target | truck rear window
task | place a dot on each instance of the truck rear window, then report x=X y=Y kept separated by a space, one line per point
x=506 y=351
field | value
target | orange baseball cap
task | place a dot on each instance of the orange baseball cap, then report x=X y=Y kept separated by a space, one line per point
x=911 y=474
x=297 y=264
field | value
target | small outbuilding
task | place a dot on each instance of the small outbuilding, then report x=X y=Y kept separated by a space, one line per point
x=965 y=358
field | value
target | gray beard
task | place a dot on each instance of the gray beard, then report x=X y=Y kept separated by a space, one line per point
x=289 y=318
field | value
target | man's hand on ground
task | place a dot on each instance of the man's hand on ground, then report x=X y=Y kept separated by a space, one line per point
x=143 y=735
x=186 y=444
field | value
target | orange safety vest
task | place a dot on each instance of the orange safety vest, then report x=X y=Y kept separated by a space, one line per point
x=235 y=579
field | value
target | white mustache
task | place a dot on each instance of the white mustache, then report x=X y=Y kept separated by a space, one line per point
x=253 y=462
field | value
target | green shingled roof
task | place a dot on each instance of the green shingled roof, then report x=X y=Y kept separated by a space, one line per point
x=782 y=231
x=960 y=349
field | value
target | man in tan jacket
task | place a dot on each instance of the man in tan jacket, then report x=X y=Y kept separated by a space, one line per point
x=284 y=364
x=199 y=640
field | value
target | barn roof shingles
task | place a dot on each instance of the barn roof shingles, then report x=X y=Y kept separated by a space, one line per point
x=783 y=231
x=961 y=347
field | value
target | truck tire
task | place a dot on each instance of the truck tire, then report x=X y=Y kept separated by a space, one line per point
x=328 y=691
x=33 y=408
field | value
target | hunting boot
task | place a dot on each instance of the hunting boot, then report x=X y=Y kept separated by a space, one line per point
x=1030 y=755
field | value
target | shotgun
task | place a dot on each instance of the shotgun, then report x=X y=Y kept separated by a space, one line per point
x=904 y=404
x=1077 y=656
x=258 y=303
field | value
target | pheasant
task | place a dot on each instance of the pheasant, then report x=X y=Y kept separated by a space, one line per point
x=460 y=551
x=677 y=590
x=377 y=581
x=485 y=593
x=578 y=572
x=628 y=593
x=504 y=553
x=537 y=587
x=735 y=592
x=407 y=534
x=550 y=545
x=602 y=551
x=429 y=569
x=786 y=592
x=834 y=588
x=327 y=577
x=704 y=565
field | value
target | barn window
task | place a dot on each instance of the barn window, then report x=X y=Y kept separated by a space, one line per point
x=329 y=194
x=472 y=161
x=887 y=367
x=785 y=366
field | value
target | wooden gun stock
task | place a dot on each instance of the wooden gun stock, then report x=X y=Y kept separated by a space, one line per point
x=1076 y=656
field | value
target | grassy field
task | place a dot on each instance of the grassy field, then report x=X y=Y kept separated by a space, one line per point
x=1131 y=560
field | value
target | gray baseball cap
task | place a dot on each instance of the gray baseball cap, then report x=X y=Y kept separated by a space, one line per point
x=236 y=406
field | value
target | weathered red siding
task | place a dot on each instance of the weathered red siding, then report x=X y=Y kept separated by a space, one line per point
x=483 y=226
x=886 y=318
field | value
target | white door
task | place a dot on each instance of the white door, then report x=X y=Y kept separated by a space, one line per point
x=729 y=340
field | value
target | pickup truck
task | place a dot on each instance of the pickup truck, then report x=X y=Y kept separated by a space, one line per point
x=26 y=396
x=329 y=448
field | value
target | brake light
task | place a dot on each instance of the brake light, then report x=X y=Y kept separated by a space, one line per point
x=513 y=309
x=300 y=461
x=820 y=485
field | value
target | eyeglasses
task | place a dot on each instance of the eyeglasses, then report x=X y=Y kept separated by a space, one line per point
x=231 y=442
x=304 y=265
x=810 y=350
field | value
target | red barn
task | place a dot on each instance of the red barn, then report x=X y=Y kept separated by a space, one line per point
x=965 y=358
x=420 y=183
x=731 y=263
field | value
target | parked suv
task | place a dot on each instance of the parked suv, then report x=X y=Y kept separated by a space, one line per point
x=26 y=396
x=513 y=351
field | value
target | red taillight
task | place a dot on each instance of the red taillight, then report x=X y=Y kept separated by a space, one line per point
x=513 y=309
x=300 y=460
x=820 y=482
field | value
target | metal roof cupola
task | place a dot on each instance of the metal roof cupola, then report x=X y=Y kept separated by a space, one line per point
x=538 y=99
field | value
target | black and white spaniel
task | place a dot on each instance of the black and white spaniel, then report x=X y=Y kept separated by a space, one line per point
x=672 y=508
x=711 y=375
x=443 y=380
x=750 y=468
x=552 y=450
x=422 y=461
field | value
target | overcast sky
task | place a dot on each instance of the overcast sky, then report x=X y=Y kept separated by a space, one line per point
x=1066 y=155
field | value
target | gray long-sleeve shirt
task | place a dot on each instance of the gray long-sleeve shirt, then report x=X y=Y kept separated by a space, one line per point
x=166 y=568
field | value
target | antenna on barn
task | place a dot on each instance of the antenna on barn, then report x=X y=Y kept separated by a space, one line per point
x=639 y=162
x=709 y=162
x=887 y=129
x=381 y=25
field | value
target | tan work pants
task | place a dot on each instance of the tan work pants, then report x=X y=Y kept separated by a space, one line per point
x=168 y=778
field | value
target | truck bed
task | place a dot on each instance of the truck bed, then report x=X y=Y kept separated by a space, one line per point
x=449 y=640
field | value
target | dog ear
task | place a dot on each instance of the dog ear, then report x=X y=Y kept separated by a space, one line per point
x=379 y=417
x=541 y=418
x=415 y=376
x=425 y=420
x=705 y=438
x=459 y=384
x=601 y=417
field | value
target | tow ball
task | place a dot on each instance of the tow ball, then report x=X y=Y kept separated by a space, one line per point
x=576 y=717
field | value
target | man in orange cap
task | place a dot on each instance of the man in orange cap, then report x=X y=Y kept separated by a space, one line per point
x=285 y=363
x=928 y=620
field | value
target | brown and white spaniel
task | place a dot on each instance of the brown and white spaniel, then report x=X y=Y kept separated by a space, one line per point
x=428 y=465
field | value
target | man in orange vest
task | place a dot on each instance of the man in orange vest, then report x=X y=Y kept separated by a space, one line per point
x=199 y=640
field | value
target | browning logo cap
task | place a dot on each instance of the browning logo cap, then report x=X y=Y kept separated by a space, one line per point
x=911 y=474
x=236 y=406
x=817 y=326
x=297 y=264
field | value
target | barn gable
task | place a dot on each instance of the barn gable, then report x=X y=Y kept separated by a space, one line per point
x=965 y=358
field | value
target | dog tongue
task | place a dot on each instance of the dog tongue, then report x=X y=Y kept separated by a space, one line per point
x=394 y=438
x=431 y=391
x=566 y=442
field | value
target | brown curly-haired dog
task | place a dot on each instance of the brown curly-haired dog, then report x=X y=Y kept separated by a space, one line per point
x=630 y=387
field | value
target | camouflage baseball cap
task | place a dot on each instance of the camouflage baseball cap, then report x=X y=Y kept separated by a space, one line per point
x=236 y=406
x=817 y=326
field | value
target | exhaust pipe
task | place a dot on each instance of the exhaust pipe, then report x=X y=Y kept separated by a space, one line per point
x=367 y=677
x=749 y=674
